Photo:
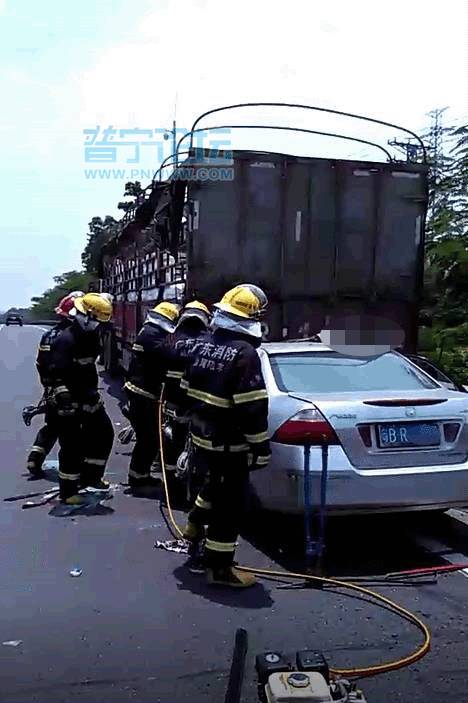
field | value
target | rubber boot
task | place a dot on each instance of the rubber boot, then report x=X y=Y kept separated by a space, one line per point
x=76 y=499
x=148 y=484
x=34 y=464
x=196 y=562
x=230 y=577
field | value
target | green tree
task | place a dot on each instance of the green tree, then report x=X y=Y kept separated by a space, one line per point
x=100 y=231
x=446 y=273
x=134 y=191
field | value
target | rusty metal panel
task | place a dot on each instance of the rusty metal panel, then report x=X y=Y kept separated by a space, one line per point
x=236 y=228
x=354 y=229
x=402 y=211
x=320 y=235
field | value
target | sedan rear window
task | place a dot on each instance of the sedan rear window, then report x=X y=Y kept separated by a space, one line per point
x=329 y=372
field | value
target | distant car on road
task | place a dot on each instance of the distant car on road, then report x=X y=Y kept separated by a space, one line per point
x=14 y=319
x=398 y=439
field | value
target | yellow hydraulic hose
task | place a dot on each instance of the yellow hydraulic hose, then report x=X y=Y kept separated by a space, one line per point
x=377 y=598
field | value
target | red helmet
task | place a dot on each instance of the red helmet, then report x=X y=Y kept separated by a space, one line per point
x=67 y=304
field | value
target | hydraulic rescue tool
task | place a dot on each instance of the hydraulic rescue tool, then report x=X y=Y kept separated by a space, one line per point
x=31 y=411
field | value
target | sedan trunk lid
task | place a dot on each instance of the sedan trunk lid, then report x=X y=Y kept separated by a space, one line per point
x=397 y=429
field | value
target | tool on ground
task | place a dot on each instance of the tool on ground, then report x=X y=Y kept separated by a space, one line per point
x=31 y=411
x=372 y=596
x=42 y=500
x=126 y=435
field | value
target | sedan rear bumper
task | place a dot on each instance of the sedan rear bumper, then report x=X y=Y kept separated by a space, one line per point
x=351 y=491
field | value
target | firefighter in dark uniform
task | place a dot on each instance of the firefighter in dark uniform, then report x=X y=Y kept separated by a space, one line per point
x=229 y=428
x=144 y=380
x=85 y=433
x=192 y=326
x=48 y=434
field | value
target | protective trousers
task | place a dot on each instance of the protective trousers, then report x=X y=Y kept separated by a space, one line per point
x=97 y=432
x=220 y=503
x=44 y=442
x=85 y=439
x=70 y=454
x=143 y=414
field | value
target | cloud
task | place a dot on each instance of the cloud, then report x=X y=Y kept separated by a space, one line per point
x=358 y=56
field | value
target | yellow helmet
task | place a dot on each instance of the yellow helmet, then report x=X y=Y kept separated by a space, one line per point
x=95 y=306
x=167 y=310
x=164 y=316
x=245 y=300
x=195 y=310
x=196 y=305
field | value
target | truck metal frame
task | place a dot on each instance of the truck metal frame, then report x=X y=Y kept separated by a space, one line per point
x=322 y=236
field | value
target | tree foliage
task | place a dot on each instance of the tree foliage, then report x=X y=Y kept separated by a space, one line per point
x=134 y=191
x=446 y=272
x=100 y=231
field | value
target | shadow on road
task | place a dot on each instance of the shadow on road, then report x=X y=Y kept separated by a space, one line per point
x=49 y=475
x=91 y=510
x=254 y=598
x=355 y=546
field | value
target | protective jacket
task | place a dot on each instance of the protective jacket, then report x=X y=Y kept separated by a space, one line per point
x=178 y=350
x=147 y=366
x=229 y=401
x=43 y=352
x=68 y=364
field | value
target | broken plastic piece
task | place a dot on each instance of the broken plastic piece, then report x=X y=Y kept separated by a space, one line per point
x=173 y=545
x=50 y=465
x=76 y=572
x=12 y=643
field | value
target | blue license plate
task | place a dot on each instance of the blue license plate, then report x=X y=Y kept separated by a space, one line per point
x=408 y=434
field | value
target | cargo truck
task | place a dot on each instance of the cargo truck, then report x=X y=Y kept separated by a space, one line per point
x=322 y=236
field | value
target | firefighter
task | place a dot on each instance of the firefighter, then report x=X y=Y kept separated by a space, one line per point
x=47 y=435
x=144 y=379
x=192 y=326
x=85 y=430
x=229 y=429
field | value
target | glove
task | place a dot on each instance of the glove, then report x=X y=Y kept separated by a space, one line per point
x=259 y=456
x=63 y=401
x=92 y=402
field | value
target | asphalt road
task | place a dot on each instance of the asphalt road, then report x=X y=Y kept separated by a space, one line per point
x=136 y=626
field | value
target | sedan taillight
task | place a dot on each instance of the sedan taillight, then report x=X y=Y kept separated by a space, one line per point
x=306 y=427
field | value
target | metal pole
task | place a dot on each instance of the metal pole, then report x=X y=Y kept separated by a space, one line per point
x=323 y=502
x=174 y=137
x=309 y=547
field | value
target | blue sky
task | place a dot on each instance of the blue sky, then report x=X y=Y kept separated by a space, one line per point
x=65 y=67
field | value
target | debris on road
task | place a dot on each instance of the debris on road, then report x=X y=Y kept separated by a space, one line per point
x=173 y=545
x=12 y=643
x=76 y=572
x=42 y=500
